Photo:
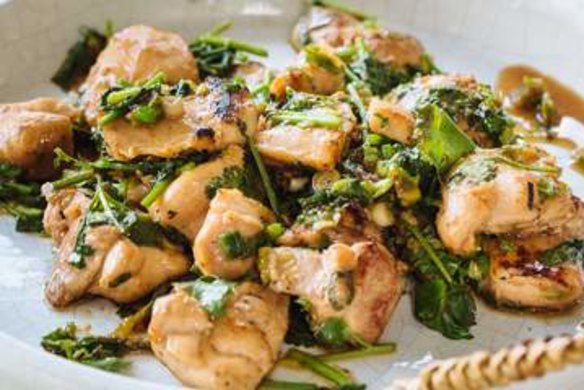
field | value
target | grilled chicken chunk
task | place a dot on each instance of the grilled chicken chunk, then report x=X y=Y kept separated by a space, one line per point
x=118 y=269
x=230 y=212
x=330 y=27
x=233 y=351
x=530 y=278
x=309 y=144
x=359 y=284
x=217 y=116
x=390 y=120
x=63 y=209
x=318 y=71
x=30 y=131
x=467 y=101
x=133 y=54
x=347 y=223
x=504 y=191
x=185 y=202
x=253 y=73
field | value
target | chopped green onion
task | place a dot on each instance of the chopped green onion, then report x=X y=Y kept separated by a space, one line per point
x=314 y=118
x=157 y=189
x=373 y=350
x=232 y=44
x=275 y=230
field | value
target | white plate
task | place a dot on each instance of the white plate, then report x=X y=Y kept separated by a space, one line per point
x=464 y=35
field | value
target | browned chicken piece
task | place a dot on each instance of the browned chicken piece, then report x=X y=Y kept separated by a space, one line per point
x=313 y=146
x=522 y=277
x=233 y=351
x=348 y=223
x=133 y=54
x=185 y=202
x=409 y=97
x=318 y=71
x=48 y=105
x=253 y=73
x=230 y=212
x=359 y=284
x=118 y=269
x=31 y=130
x=514 y=190
x=64 y=207
x=330 y=27
x=218 y=115
x=390 y=120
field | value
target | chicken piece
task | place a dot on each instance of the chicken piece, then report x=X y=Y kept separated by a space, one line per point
x=360 y=284
x=185 y=202
x=48 y=105
x=64 y=207
x=334 y=28
x=309 y=144
x=347 y=223
x=522 y=278
x=210 y=120
x=253 y=73
x=230 y=211
x=233 y=351
x=118 y=269
x=468 y=102
x=133 y=54
x=318 y=71
x=390 y=121
x=28 y=139
x=491 y=192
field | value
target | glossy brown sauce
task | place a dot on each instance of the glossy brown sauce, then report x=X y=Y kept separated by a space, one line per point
x=568 y=102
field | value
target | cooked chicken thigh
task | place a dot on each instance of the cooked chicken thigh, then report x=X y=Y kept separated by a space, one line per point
x=30 y=131
x=390 y=120
x=134 y=54
x=491 y=192
x=310 y=144
x=523 y=277
x=217 y=116
x=232 y=351
x=185 y=202
x=330 y=27
x=230 y=213
x=359 y=284
x=318 y=71
x=64 y=208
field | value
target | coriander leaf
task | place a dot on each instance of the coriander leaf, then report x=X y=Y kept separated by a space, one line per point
x=212 y=294
x=444 y=307
x=443 y=143
x=569 y=251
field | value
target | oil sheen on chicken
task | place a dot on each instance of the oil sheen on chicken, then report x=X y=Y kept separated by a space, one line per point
x=360 y=284
x=233 y=351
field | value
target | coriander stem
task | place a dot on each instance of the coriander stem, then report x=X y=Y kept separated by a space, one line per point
x=373 y=350
x=157 y=189
x=220 y=28
x=270 y=384
x=72 y=180
x=430 y=251
x=233 y=44
x=266 y=181
x=306 y=119
x=333 y=374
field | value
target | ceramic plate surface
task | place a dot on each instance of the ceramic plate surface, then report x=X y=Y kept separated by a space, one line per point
x=476 y=36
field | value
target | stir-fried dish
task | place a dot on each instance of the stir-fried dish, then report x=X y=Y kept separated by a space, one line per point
x=239 y=214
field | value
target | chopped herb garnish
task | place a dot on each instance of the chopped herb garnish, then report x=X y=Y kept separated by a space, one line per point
x=212 y=294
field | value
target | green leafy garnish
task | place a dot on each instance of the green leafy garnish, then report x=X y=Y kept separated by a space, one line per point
x=97 y=351
x=571 y=251
x=442 y=141
x=212 y=294
x=234 y=245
